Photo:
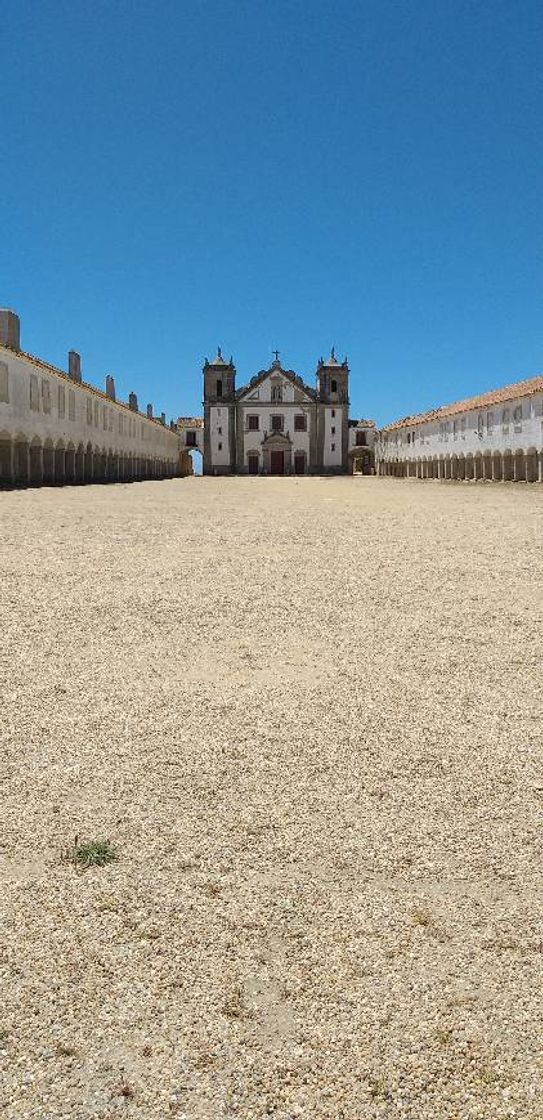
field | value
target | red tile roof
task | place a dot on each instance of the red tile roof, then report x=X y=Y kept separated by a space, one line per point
x=525 y=388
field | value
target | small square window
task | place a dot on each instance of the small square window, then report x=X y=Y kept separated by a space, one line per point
x=300 y=423
x=277 y=423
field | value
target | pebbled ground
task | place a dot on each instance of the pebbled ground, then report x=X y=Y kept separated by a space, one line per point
x=308 y=714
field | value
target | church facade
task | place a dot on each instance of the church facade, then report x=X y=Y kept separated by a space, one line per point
x=277 y=424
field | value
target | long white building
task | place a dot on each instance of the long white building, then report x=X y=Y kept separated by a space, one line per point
x=56 y=429
x=497 y=436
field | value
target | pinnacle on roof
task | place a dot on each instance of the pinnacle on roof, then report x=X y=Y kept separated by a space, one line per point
x=219 y=360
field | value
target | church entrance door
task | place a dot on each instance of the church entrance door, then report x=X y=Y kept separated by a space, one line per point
x=299 y=463
x=253 y=464
x=277 y=462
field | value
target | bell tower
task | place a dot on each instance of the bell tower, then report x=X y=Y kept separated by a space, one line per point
x=219 y=415
x=333 y=380
x=333 y=414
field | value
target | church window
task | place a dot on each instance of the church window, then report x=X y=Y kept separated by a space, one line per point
x=333 y=386
x=277 y=423
x=34 y=393
x=517 y=417
x=300 y=423
x=4 y=383
x=361 y=439
x=277 y=392
x=505 y=420
x=253 y=423
x=333 y=430
x=219 y=388
x=463 y=427
x=480 y=425
x=489 y=422
x=219 y=446
x=191 y=439
x=46 y=396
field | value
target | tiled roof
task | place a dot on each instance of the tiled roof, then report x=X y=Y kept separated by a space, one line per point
x=39 y=363
x=525 y=388
x=189 y=422
x=362 y=423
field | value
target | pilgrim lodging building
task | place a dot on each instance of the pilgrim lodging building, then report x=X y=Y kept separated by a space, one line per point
x=495 y=437
x=277 y=424
x=55 y=428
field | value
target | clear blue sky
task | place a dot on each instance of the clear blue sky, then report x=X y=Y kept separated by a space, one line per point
x=293 y=174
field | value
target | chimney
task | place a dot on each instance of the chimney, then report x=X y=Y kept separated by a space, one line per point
x=133 y=402
x=10 y=329
x=149 y=412
x=163 y=418
x=110 y=387
x=74 y=365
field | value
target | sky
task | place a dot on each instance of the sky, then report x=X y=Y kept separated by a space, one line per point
x=178 y=176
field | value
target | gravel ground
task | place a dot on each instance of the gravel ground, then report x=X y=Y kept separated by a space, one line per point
x=307 y=713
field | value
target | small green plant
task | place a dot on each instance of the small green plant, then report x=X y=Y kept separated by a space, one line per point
x=92 y=853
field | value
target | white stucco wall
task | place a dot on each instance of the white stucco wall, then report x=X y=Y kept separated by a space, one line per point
x=39 y=402
x=332 y=458
x=219 y=436
x=497 y=427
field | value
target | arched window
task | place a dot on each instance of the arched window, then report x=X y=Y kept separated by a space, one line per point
x=277 y=392
x=505 y=419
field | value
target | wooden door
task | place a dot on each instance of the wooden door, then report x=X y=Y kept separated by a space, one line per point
x=277 y=462
x=253 y=464
x=299 y=464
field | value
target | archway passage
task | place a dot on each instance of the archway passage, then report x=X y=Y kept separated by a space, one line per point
x=6 y=461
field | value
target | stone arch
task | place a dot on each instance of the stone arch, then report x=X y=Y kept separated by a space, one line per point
x=497 y=467
x=21 y=460
x=70 y=464
x=36 y=461
x=49 y=463
x=7 y=466
x=531 y=465
x=89 y=463
x=80 y=464
x=519 y=465
x=60 y=462
x=507 y=465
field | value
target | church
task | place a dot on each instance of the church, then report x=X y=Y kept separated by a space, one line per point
x=278 y=425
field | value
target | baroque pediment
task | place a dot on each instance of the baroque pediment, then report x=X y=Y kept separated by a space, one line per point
x=275 y=375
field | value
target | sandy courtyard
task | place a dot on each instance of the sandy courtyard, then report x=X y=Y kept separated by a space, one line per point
x=307 y=713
